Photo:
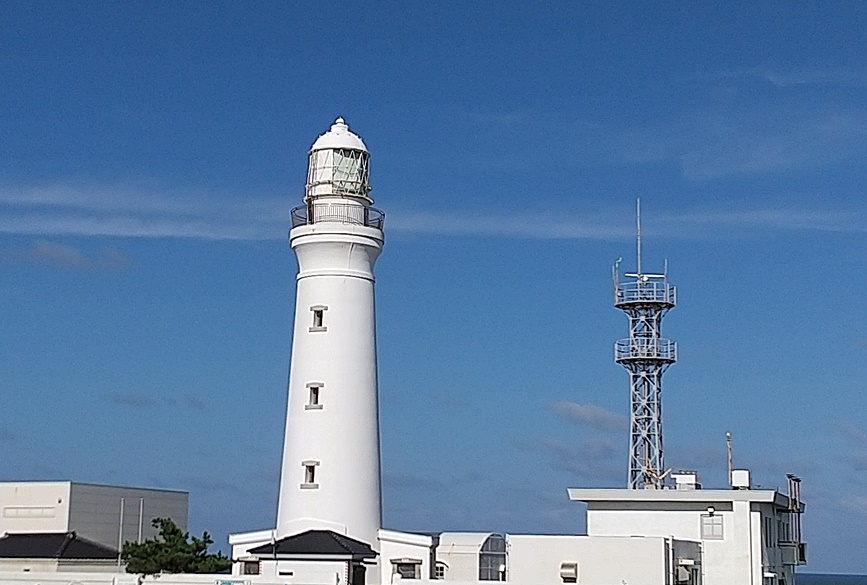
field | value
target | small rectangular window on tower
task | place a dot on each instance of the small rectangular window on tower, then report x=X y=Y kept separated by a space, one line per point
x=313 y=396
x=309 y=475
x=318 y=318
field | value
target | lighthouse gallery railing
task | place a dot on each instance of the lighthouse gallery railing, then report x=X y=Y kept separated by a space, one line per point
x=345 y=213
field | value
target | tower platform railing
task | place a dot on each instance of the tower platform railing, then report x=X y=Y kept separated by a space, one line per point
x=637 y=292
x=640 y=349
x=334 y=212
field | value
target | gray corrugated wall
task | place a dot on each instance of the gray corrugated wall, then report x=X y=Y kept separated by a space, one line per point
x=94 y=511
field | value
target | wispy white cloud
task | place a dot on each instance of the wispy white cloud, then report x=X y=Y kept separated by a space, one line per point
x=781 y=77
x=856 y=504
x=781 y=219
x=717 y=145
x=141 y=401
x=722 y=138
x=853 y=432
x=857 y=435
x=589 y=415
x=55 y=254
x=593 y=458
x=699 y=224
x=858 y=460
x=409 y=481
x=209 y=483
x=529 y=226
x=195 y=402
x=136 y=400
x=137 y=213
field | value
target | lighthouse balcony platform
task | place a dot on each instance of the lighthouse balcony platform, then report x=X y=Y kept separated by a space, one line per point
x=645 y=349
x=653 y=292
x=336 y=212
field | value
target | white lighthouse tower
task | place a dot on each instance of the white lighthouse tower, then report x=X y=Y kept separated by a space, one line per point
x=330 y=476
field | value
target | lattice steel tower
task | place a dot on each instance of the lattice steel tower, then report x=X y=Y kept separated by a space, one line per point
x=645 y=298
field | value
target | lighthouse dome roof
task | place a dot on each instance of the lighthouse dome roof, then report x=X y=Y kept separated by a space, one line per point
x=339 y=136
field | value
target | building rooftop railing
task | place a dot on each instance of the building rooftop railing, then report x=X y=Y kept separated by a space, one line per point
x=641 y=349
x=343 y=213
x=650 y=292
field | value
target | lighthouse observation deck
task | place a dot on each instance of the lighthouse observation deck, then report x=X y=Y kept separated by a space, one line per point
x=650 y=292
x=336 y=212
x=645 y=349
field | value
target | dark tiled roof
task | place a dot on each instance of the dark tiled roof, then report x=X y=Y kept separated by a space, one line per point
x=317 y=542
x=53 y=545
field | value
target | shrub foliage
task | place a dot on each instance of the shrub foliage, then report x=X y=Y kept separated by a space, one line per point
x=173 y=551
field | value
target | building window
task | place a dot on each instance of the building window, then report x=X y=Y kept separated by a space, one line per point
x=406 y=568
x=318 y=318
x=440 y=570
x=309 y=475
x=492 y=559
x=28 y=511
x=313 y=396
x=711 y=527
x=250 y=568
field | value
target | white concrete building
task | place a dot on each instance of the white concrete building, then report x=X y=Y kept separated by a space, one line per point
x=407 y=556
x=71 y=526
x=108 y=515
x=531 y=559
x=471 y=556
x=747 y=537
x=636 y=560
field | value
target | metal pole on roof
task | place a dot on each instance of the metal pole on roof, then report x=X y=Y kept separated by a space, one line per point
x=140 y=517
x=120 y=533
x=731 y=464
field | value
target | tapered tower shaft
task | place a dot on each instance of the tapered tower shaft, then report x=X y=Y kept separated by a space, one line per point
x=645 y=299
x=331 y=469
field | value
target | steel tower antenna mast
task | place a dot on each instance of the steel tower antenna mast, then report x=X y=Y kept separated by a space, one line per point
x=645 y=298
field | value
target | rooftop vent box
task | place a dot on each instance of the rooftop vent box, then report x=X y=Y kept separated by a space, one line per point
x=741 y=479
x=686 y=480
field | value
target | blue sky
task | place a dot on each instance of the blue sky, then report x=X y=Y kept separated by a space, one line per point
x=149 y=157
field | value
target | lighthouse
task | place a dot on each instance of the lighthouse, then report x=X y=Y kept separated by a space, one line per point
x=330 y=477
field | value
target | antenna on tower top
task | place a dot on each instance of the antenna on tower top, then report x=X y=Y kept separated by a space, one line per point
x=638 y=232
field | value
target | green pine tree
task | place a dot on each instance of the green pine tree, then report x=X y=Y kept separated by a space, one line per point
x=173 y=552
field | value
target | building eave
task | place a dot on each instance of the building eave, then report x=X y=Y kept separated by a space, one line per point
x=627 y=495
